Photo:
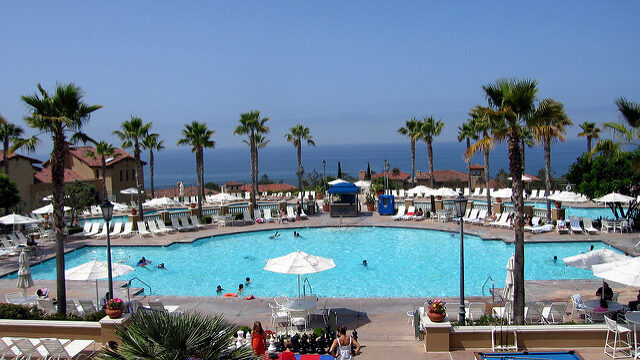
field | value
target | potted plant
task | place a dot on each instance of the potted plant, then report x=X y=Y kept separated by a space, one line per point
x=115 y=308
x=320 y=192
x=134 y=211
x=498 y=200
x=370 y=200
x=558 y=204
x=437 y=311
x=193 y=205
x=325 y=205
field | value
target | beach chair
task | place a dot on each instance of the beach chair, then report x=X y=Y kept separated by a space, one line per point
x=88 y=307
x=504 y=312
x=27 y=349
x=475 y=311
x=575 y=225
x=246 y=217
x=484 y=192
x=466 y=192
x=86 y=228
x=104 y=231
x=554 y=314
x=401 y=193
x=535 y=221
x=541 y=194
x=185 y=222
x=117 y=229
x=72 y=308
x=267 y=215
x=472 y=216
x=411 y=213
x=577 y=305
x=247 y=195
x=95 y=229
x=303 y=216
x=481 y=215
x=47 y=306
x=499 y=218
x=128 y=229
x=164 y=227
x=291 y=216
x=625 y=226
x=157 y=305
x=400 y=214
x=562 y=227
x=476 y=192
x=57 y=350
x=588 y=226
x=533 y=314
x=5 y=350
x=196 y=222
x=22 y=240
x=176 y=225
x=142 y=229
x=153 y=228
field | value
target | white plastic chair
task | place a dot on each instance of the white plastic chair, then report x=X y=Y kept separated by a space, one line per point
x=72 y=350
x=278 y=316
x=476 y=310
x=577 y=304
x=554 y=314
x=616 y=332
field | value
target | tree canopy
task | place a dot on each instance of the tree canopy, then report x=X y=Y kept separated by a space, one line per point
x=80 y=196
x=604 y=174
x=8 y=192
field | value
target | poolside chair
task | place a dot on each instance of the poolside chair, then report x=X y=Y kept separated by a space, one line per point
x=472 y=216
x=246 y=217
x=267 y=215
x=320 y=311
x=480 y=219
x=504 y=312
x=71 y=350
x=625 y=226
x=298 y=319
x=176 y=225
x=72 y=308
x=278 y=316
x=303 y=216
x=497 y=221
x=562 y=227
x=475 y=311
x=153 y=228
x=128 y=229
x=588 y=226
x=608 y=225
x=476 y=192
x=196 y=222
x=291 y=216
x=157 y=305
x=593 y=317
x=5 y=350
x=533 y=314
x=400 y=214
x=575 y=225
x=484 y=192
x=411 y=213
x=27 y=349
x=554 y=314
x=185 y=222
x=117 y=229
x=86 y=229
x=541 y=194
x=535 y=221
x=23 y=239
x=577 y=305
x=47 y=306
x=142 y=229
x=401 y=193
x=466 y=192
x=88 y=307
x=164 y=227
x=615 y=341
x=102 y=233
x=95 y=229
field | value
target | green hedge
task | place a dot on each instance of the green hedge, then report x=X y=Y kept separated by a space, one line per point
x=21 y=312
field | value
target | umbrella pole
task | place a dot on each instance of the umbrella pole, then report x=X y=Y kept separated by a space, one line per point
x=299 y=287
x=97 y=296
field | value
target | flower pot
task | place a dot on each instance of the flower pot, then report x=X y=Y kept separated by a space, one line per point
x=193 y=206
x=558 y=204
x=438 y=197
x=370 y=206
x=114 y=314
x=134 y=211
x=325 y=207
x=499 y=200
x=436 y=317
x=320 y=196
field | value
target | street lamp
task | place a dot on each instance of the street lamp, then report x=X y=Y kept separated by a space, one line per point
x=461 y=207
x=324 y=174
x=107 y=214
x=386 y=176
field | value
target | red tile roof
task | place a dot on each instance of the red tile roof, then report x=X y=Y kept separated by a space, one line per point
x=44 y=175
x=476 y=167
x=11 y=156
x=81 y=153
x=533 y=178
x=401 y=176
x=233 y=183
x=191 y=190
x=444 y=176
x=271 y=187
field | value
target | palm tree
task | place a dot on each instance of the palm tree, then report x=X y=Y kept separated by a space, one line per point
x=412 y=131
x=626 y=135
x=467 y=132
x=549 y=124
x=10 y=134
x=103 y=151
x=132 y=133
x=163 y=336
x=429 y=129
x=590 y=131
x=198 y=136
x=251 y=124
x=296 y=136
x=151 y=143
x=513 y=101
x=261 y=143
x=57 y=114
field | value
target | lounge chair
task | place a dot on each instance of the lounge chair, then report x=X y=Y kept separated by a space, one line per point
x=303 y=216
x=554 y=314
x=400 y=214
x=88 y=307
x=71 y=350
x=476 y=192
x=562 y=227
x=475 y=311
x=142 y=229
x=176 y=225
x=533 y=314
x=291 y=216
x=153 y=228
x=481 y=215
x=185 y=222
x=484 y=192
x=27 y=349
x=541 y=194
x=117 y=229
x=472 y=216
x=541 y=229
x=267 y=215
x=47 y=306
x=401 y=193
x=86 y=228
x=103 y=233
x=196 y=222
x=128 y=229
x=575 y=225
x=157 y=305
x=466 y=192
x=499 y=219
x=246 y=217
x=504 y=312
x=411 y=213
x=535 y=222
x=72 y=308
x=95 y=229
x=588 y=226
x=164 y=227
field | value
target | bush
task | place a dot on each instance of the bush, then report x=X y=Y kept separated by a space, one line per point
x=19 y=312
x=206 y=219
x=74 y=230
x=57 y=316
x=96 y=316
x=318 y=332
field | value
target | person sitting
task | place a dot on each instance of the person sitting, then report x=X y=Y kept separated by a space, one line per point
x=240 y=288
x=603 y=307
x=103 y=301
x=43 y=293
x=608 y=292
x=219 y=289
x=161 y=266
x=248 y=281
x=633 y=304
x=419 y=213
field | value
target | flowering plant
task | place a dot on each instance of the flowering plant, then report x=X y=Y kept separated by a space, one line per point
x=269 y=333
x=115 y=304
x=437 y=306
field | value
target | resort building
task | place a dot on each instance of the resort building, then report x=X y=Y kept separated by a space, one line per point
x=78 y=165
x=271 y=188
x=402 y=179
x=449 y=178
x=232 y=187
x=21 y=171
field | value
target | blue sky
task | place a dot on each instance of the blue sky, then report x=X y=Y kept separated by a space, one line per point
x=351 y=71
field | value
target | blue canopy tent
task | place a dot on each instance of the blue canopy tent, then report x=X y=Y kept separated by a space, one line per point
x=344 y=200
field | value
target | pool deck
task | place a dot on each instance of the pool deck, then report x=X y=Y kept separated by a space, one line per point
x=382 y=323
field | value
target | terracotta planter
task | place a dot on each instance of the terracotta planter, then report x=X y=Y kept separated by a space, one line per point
x=558 y=204
x=193 y=206
x=438 y=197
x=114 y=314
x=370 y=206
x=320 y=196
x=325 y=207
x=134 y=211
x=499 y=200
x=436 y=317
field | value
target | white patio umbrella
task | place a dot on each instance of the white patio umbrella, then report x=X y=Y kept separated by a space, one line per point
x=48 y=209
x=502 y=193
x=524 y=178
x=420 y=189
x=24 y=273
x=614 y=197
x=593 y=258
x=445 y=192
x=624 y=271
x=160 y=202
x=130 y=191
x=363 y=184
x=567 y=196
x=95 y=270
x=222 y=197
x=337 y=181
x=299 y=263
x=15 y=219
x=507 y=292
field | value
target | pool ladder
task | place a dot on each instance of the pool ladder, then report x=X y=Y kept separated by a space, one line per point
x=306 y=283
x=128 y=286
x=493 y=284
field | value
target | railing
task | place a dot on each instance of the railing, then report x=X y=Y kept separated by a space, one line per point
x=493 y=284
x=306 y=282
x=128 y=286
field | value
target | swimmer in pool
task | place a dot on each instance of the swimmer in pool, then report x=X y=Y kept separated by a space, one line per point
x=364 y=262
x=555 y=258
x=142 y=262
x=161 y=266
x=248 y=281
x=591 y=248
x=219 y=289
x=274 y=235
x=240 y=288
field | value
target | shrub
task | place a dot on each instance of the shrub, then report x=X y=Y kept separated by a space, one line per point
x=318 y=331
x=96 y=316
x=19 y=312
x=74 y=230
x=206 y=219
x=57 y=316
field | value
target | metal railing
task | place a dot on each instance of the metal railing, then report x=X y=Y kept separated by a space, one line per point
x=306 y=283
x=493 y=286
x=137 y=278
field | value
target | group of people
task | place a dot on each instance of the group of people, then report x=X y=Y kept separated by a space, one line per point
x=247 y=282
x=144 y=262
x=277 y=235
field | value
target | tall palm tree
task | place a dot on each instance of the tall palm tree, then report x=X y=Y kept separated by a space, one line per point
x=549 y=124
x=627 y=132
x=590 y=131
x=251 y=124
x=468 y=133
x=152 y=143
x=57 y=114
x=296 y=136
x=132 y=133
x=513 y=101
x=261 y=143
x=198 y=136
x=103 y=151
x=429 y=129
x=10 y=134
x=526 y=140
x=412 y=131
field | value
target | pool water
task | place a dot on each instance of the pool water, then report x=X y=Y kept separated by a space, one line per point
x=401 y=263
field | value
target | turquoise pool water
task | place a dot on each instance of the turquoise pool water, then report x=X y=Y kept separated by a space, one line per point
x=402 y=263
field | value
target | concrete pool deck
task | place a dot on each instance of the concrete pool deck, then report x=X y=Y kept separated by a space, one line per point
x=382 y=323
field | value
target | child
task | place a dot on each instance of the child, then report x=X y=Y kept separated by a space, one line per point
x=287 y=354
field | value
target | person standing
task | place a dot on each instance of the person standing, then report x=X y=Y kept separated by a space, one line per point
x=258 y=339
x=341 y=347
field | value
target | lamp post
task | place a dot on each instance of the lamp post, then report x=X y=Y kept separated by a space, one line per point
x=107 y=214
x=386 y=176
x=461 y=207
x=324 y=174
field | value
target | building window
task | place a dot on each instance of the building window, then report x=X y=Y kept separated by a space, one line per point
x=120 y=175
x=127 y=174
x=95 y=173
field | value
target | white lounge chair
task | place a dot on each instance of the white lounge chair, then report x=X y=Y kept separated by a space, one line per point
x=153 y=228
x=575 y=225
x=128 y=229
x=562 y=227
x=534 y=194
x=117 y=229
x=484 y=192
x=71 y=350
x=504 y=312
x=475 y=311
x=411 y=213
x=86 y=229
x=176 y=225
x=88 y=307
x=291 y=216
x=554 y=314
x=533 y=313
x=481 y=215
x=185 y=222
x=472 y=216
x=47 y=306
x=95 y=229
x=476 y=192
x=142 y=229
x=196 y=222
x=400 y=214
x=267 y=215
x=535 y=221
x=104 y=231
x=500 y=218
x=157 y=305
x=541 y=194
x=27 y=349
x=246 y=217
x=164 y=227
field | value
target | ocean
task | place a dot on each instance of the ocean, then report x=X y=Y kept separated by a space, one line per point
x=279 y=162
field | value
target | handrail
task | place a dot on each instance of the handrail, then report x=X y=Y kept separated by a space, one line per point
x=304 y=288
x=493 y=293
x=137 y=278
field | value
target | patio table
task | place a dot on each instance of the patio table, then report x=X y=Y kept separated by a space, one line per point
x=633 y=317
x=299 y=305
x=613 y=306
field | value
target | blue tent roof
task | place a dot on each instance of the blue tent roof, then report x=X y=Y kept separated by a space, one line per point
x=344 y=188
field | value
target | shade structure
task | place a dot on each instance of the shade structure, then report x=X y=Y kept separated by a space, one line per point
x=130 y=191
x=363 y=184
x=222 y=197
x=24 y=273
x=16 y=219
x=624 y=271
x=336 y=181
x=445 y=192
x=568 y=196
x=420 y=189
x=595 y=257
x=507 y=292
x=614 y=197
x=95 y=270
x=48 y=209
x=299 y=263
x=343 y=188
x=160 y=202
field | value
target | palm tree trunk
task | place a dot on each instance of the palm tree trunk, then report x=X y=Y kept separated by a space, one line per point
x=139 y=179
x=257 y=180
x=515 y=166
x=153 y=193
x=254 y=186
x=522 y=149
x=57 y=182
x=469 y=164
x=299 y=171
x=588 y=143
x=5 y=156
x=547 y=169
x=430 y=155
x=486 y=180
x=199 y=171
x=413 y=163
x=104 y=178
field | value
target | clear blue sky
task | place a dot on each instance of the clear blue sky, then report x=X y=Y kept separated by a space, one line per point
x=351 y=71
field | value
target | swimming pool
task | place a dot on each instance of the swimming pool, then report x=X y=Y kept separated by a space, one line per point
x=402 y=262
